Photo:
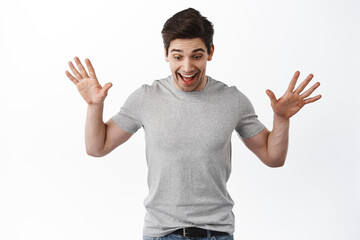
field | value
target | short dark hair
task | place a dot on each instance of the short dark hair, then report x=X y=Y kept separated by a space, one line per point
x=188 y=24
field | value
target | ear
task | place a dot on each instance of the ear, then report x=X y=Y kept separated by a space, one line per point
x=211 y=53
x=166 y=56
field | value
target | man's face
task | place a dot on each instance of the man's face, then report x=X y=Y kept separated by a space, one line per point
x=187 y=58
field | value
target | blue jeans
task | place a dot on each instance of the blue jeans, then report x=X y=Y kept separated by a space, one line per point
x=180 y=237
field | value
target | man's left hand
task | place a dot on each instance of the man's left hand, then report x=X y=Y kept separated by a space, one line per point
x=292 y=101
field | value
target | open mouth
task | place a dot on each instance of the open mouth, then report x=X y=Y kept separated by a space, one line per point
x=188 y=79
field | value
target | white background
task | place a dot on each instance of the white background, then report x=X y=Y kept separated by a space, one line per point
x=50 y=188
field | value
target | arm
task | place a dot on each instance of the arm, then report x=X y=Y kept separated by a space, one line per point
x=100 y=138
x=271 y=147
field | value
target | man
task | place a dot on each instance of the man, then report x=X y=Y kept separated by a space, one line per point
x=188 y=119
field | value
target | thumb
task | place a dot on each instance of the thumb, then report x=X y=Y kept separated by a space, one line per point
x=106 y=88
x=271 y=96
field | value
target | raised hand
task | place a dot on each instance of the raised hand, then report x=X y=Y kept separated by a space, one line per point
x=88 y=86
x=292 y=101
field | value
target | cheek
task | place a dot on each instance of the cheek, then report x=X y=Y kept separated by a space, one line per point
x=173 y=67
x=201 y=66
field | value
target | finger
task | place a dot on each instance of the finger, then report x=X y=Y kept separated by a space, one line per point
x=271 y=96
x=301 y=87
x=313 y=99
x=106 y=88
x=293 y=81
x=81 y=68
x=310 y=90
x=74 y=80
x=90 y=68
x=74 y=71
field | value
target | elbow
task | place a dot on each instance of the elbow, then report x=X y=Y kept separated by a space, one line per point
x=91 y=152
x=275 y=163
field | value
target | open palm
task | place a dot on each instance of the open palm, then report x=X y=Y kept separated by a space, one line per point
x=87 y=84
x=292 y=101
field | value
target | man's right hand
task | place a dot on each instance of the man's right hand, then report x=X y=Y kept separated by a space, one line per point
x=88 y=86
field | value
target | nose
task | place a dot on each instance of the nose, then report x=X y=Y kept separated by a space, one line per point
x=188 y=66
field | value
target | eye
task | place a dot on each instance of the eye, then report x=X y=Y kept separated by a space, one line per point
x=177 y=57
x=197 y=56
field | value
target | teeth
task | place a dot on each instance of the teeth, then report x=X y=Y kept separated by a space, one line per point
x=188 y=76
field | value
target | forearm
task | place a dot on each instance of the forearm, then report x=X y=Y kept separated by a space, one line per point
x=277 y=144
x=95 y=130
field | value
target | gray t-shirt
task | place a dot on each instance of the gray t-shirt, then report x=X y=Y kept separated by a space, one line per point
x=188 y=151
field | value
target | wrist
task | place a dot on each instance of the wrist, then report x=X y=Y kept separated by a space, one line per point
x=281 y=119
x=281 y=123
x=95 y=105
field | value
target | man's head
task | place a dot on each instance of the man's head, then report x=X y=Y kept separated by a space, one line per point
x=188 y=43
x=188 y=24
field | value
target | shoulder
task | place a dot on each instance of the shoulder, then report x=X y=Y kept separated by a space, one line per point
x=222 y=87
x=232 y=92
x=147 y=92
x=146 y=88
x=156 y=85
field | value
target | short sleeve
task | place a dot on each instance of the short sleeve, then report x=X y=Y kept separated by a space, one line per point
x=129 y=116
x=249 y=124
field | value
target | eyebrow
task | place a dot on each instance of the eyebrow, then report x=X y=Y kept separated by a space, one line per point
x=196 y=50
